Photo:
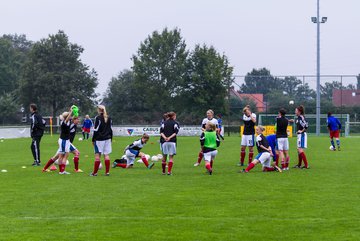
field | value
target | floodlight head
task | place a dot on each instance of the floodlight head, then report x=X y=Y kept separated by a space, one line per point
x=323 y=19
x=314 y=19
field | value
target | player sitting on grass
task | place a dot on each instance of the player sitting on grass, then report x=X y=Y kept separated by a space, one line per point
x=131 y=152
x=209 y=141
x=265 y=153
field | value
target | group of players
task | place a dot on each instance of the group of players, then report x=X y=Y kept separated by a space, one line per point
x=273 y=147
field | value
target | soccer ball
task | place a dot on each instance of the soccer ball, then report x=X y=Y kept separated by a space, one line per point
x=147 y=156
x=160 y=156
x=80 y=138
x=100 y=166
x=154 y=158
x=291 y=102
x=57 y=162
x=331 y=148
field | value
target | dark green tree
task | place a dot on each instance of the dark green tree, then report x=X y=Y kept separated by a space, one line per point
x=159 y=66
x=259 y=81
x=13 y=54
x=122 y=99
x=54 y=76
x=208 y=82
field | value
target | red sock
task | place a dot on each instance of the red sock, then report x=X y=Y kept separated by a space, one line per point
x=163 y=165
x=76 y=162
x=304 y=159
x=96 y=166
x=269 y=169
x=277 y=160
x=211 y=163
x=283 y=163
x=242 y=157
x=201 y=155
x=48 y=164
x=251 y=166
x=208 y=166
x=107 y=166
x=145 y=161
x=251 y=155
x=287 y=161
x=121 y=165
x=62 y=167
x=170 y=165
x=299 y=159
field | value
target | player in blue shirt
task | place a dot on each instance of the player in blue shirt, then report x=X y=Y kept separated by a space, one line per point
x=334 y=127
x=86 y=127
x=272 y=143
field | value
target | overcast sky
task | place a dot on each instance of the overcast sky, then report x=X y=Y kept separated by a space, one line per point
x=277 y=34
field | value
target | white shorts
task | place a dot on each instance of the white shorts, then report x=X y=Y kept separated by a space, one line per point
x=302 y=140
x=282 y=144
x=264 y=158
x=247 y=140
x=208 y=156
x=130 y=157
x=103 y=147
x=64 y=146
x=169 y=148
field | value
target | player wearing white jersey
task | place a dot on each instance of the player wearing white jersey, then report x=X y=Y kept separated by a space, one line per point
x=209 y=118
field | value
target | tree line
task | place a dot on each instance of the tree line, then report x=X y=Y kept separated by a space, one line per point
x=165 y=75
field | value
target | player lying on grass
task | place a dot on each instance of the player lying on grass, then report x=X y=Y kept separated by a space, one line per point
x=132 y=151
x=73 y=149
x=265 y=153
x=209 y=118
x=168 y=132
x=209 y=141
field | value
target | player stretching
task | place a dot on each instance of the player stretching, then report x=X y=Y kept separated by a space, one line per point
x=334 y=127
x=209 y=141
x=102 y=139
x=272 y=143
x=73 y=149
x=301 y=127
x=247 y=139
x=168 y=132
x=87 y=124
x=282 y=139
x=209 y=118
x=64 y=141
x=131 y=152
x=265 y=153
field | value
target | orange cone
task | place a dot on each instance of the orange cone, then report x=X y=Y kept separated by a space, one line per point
x=53 y=168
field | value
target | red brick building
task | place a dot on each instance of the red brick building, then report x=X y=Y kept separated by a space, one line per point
x=346 y=98
x=256 y=98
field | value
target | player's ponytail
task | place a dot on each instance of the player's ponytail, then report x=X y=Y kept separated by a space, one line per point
x=102 y=110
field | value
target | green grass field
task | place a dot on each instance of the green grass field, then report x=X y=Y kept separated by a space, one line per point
x=321 y=203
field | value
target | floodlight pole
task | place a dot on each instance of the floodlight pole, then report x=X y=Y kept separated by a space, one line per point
x=318 y=71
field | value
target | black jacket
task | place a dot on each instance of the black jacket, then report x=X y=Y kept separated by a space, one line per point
x=37 y=125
